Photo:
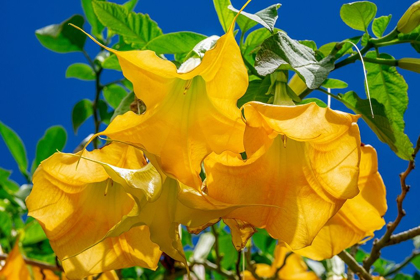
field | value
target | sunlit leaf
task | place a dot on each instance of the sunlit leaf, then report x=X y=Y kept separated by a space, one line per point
x=358 y=15
x=225 y=15
x=33 y=232
x=111 y=62
x=80 y=71
x=319 y=102
x=62 y=37
x=380 y=24
x=383 y=124
x=5 y=223
x=124 y=105
x=113 y=94
x=334 y=83
x=175 y=43
x=54 y=139
x=104 y=114
x=413 y=36
x=266 y=17
x=81 y=112
x=96 y=25
x=16 y=147
x=280 y=51
x=137 y=29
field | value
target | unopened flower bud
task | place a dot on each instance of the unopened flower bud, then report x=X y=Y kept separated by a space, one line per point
x=297 y=84
x=412 y=64
x=410 y=19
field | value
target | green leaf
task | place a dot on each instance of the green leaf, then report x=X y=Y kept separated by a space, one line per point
x=225 y=15
x=80 y=71
x=382 y=266
x=33 y=232
x=6 y=224
x=113 y=94
x=54 y=139
x=111 y=62
x=358 y=15
x=81 y=112
x=264 y=242
x=186 y=237
x=334 y=83
x=96 y=25
x=6 y=183
x=16 y=147
x=124 y=106
x=62 y=37
x=131 y=4
x=401 y=276
x=103 y=112
x=227 y=250
x=175 y=43
x=255 y=39
x=319 y=102
x=346 y=48
x=361 y=255
x=280 y=51
x=309 y=44
x=389 y=88
x=266 y=17
x=413 y=36
x=257 y=91
x=416 y=262
x=136 y=29
x=382 y=124
x=380 y=24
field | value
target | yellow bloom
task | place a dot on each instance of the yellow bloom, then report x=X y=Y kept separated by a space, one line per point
x=294 y=267
x=302 y=159
x=188 y=115
x=75 y=213
x=15 y=267
x=358 y=218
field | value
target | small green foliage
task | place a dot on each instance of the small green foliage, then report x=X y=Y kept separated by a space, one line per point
x=175 y=43
x=80 y=71
x=266 y=17
x=380 y=24
x=358 y=15
x=225 y=15
x=62 y=37
x=81 y=112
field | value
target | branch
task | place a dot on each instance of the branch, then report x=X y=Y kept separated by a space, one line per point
x=354 y=266
x=404 y=236
x=397 y=268
x=216 y=245
x=39 y=264
x=385 y=240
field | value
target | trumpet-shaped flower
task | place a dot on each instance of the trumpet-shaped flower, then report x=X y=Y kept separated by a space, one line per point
x=188 y=115
x=291 y=267
x=77 y=207
x=358 y=218
x=302 y=159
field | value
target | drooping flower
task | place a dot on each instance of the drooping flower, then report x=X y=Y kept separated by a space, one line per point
x=302 y=159
x=291 y=267
x=358 y=218
x=189 y=115
x=77 y=208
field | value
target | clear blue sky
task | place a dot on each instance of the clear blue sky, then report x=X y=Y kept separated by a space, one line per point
x=36 y=95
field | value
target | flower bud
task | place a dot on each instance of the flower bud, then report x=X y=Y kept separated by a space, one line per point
x=412 y=64
x=297 y=84
x=410 y=19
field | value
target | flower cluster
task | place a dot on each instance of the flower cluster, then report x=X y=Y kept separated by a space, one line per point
x=299 y=171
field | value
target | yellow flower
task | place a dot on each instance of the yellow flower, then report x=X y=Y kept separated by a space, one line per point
x=358 y=218
x=294 y=267
x=188 y=115
x=77 y=208
x=15 y=267
x=302 y=159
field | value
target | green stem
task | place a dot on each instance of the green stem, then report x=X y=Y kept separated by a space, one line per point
x=390 y=36
x=390 y=62
x=395 y=42
x=96 y=120
x=216 y=246
x=91 y=63
x=353 y=57
x=403 y=264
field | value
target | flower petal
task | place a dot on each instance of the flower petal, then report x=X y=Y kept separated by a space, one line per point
x=308 y=177
x=71 y=207
x=358 y=218
x=15 y=267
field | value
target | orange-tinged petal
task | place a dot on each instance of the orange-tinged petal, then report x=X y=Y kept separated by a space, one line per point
x=262 y=270
x=294 y=268
x=189 y=115
x=43 y=274
x=358 y=218
x=308 y=171
x=75 y=213
x=241 y=232
x=15 y=267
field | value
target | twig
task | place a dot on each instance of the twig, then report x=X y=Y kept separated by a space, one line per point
x=95 y=108
x=216 y=245
x=251 y=265
x=238 y=265
x=404 y=236
x=378 y=244
x=39 y=264
x=354 y=266
x=403 y=264
x=275 y=275
x=353 y=252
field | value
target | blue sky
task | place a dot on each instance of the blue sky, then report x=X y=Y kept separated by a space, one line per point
x=36 y=95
